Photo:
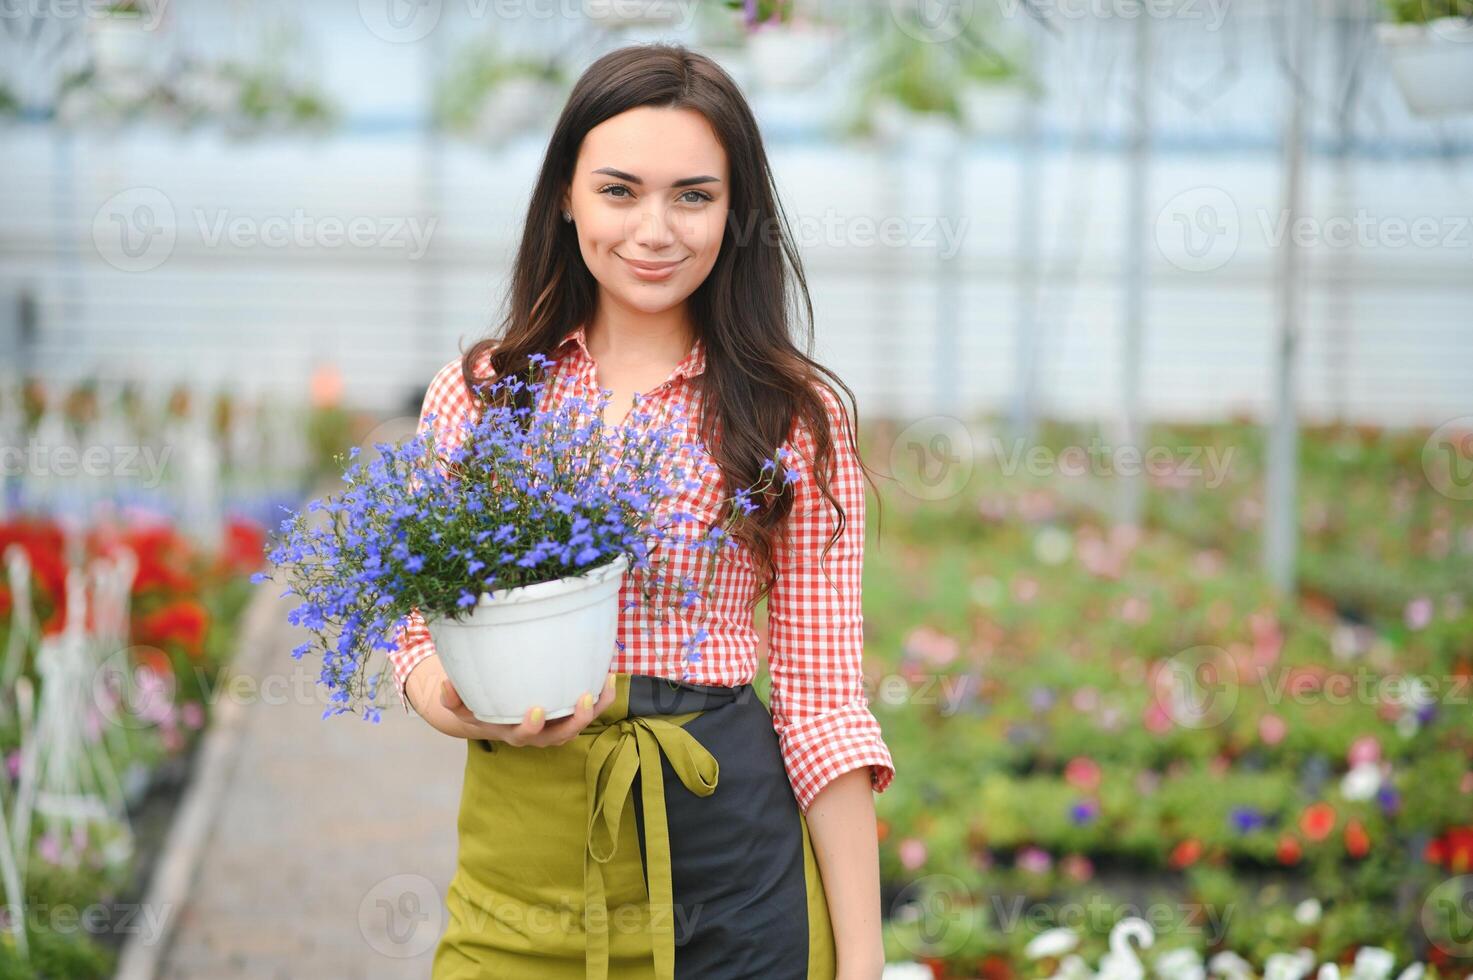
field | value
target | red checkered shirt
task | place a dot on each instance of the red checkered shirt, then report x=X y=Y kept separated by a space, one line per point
x=815 y=623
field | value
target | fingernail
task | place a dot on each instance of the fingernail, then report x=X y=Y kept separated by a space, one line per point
x=536 y=715
x=586 y=701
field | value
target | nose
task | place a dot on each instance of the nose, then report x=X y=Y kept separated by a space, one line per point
x=653 y=232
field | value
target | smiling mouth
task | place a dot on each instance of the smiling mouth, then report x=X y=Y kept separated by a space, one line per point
x=652 y=266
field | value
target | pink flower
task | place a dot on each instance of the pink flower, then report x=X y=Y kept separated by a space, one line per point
x=193 y=715
x=931 y=646
x=1035 y=860
x=1082 y=773
x=1157 y=720
x=12 y=763
x=1272 y=729
x=1363 y=750
x=1135 y=610
x=1078 y=867
x=912 y=853
x=49 y=848
x=1419 y=613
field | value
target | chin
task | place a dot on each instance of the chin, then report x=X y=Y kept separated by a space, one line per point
x=648 y=301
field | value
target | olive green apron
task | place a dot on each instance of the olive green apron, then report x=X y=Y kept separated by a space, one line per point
x=553 y=880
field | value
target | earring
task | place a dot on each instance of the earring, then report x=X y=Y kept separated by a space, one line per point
x=567 y=216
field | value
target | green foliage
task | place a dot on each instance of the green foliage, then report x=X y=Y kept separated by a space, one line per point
x=1422 y=11
x=1035 y=753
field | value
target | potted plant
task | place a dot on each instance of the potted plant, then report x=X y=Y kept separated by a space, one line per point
x=787 y=48
x=994 y=87
x=633 y=13
x=1429 y=46
x=491 y=96
x=511 y=536
x=909 y=83
x=123 y=35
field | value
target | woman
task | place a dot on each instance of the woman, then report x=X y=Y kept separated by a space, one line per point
x=653 y=262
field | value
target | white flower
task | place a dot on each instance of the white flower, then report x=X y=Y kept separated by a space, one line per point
x=1361 y=783
x=1229 y=964
x=1053 y=942
x=1372 y=963
x=907 y=971
x=1307 y=912
x=1182 y=963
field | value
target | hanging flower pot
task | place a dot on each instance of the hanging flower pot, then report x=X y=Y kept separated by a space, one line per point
x=1432 y=63
x=542 y=644
x=124 y=38
x=791 y=56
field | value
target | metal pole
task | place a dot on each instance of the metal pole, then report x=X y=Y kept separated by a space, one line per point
x=1281 y=523
x=1030 y=214
x=1131 y=487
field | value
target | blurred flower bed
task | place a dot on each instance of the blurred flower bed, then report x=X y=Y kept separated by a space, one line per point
x=129 y=532
x=185 y=604
x=1089 y=723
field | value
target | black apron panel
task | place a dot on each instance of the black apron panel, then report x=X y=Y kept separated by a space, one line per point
x=736 y=856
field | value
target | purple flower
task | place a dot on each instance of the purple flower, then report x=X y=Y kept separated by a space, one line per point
x=1246 y=819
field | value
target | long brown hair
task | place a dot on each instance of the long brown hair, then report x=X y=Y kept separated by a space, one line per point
x=757 y=383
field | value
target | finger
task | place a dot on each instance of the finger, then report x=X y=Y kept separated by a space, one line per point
x=610 y=691
x=534 y=722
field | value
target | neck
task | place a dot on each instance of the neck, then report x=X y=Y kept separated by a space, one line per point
x=623 y=336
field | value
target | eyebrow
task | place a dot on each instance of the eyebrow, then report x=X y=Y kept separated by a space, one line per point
x=682 y=182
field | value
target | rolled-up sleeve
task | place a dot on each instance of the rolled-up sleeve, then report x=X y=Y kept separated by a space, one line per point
x=816 y=627
x=450 y=403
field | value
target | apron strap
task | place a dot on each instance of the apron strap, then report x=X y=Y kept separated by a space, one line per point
x=622 y=749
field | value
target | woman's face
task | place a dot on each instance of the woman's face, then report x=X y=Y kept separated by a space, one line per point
x=649 y=199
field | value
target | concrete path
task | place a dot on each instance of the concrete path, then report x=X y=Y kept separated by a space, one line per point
x=331 y=842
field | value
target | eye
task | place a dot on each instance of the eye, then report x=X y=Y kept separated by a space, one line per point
x=700 y=196
x=608 y=188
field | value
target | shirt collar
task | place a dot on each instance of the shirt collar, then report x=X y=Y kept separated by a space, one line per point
x=694 y=363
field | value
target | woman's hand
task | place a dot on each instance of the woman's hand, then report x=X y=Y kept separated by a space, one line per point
x=535 y=729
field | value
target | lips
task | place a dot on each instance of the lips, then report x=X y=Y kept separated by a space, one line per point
x=651 y=271
x=653 y=266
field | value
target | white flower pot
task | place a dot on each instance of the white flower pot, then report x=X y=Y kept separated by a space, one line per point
x=1432 y=64
x=122 y=43
x=631 y=13
x=790 y=56
x=993 y=109
x=543 y=644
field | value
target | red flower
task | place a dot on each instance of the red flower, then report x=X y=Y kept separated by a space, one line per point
x=1357 y=841
x=1453 y=850
x=244 y=548
x=44 y=545
x=1289 y=851
x=183 y=622
x=1186 y=853
x=1318 y=820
